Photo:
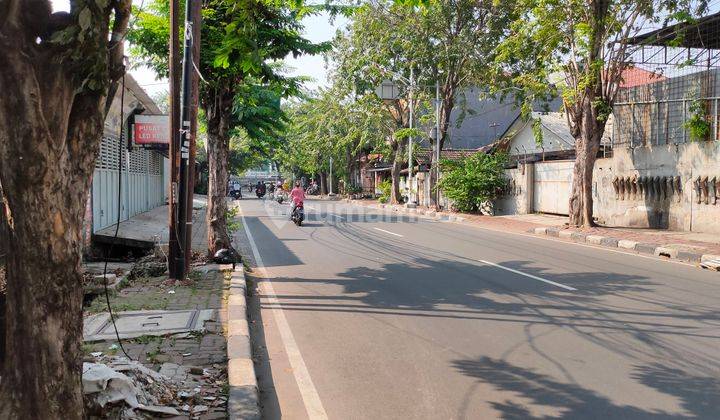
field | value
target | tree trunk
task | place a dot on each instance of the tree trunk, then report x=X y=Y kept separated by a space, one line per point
x=432 y=180
x=3 y=251
x=587 y=144
x=51 y=123
x=448 y=103
x=395 y=197
x=218 y=150
x=323 y=183
x=48 y=145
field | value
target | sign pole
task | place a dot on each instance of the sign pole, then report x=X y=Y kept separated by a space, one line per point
x=173 y=245
x=185 y=138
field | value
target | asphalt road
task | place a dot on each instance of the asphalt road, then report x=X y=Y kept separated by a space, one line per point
x=360 y=315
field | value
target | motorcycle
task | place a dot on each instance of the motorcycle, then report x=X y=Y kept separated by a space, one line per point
x=236 y=194
x=260 y=192
x=298 y=215
x=313 y=190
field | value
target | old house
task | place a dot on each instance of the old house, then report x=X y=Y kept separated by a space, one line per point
x=659 y=164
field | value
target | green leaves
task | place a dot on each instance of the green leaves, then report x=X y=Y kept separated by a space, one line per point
x=474 y=180
x=697 y=124
x=85 y=19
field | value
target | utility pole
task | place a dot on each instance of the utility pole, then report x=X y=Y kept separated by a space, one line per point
x=330 y=178
x=185 y=139
x=437 y=143
x=197 y=17
x=174 y=67
x=410 y=138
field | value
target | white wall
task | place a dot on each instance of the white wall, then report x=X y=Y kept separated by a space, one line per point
x=676 y=211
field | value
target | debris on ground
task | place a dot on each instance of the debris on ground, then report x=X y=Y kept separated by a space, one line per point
x=148 y=266
x=114 y=387
x=198 y=258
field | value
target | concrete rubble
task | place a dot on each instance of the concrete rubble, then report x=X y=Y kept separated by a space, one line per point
x=115 y=387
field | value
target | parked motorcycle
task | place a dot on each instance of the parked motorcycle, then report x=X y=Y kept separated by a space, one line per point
x=298 y=215
x=313 y=190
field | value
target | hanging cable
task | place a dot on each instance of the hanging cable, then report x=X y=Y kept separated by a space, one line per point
x=119 y=209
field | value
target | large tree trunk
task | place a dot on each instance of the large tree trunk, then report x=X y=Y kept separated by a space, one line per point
x=323 y=183
x=395 y=197
x=218 y=149
x=51 y=122
x=448 y=103
x=587 y=143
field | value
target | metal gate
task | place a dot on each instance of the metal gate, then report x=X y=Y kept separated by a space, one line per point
x=142 y=186
x=552 y=184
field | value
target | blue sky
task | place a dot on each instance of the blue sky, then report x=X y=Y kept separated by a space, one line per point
x=318 y=28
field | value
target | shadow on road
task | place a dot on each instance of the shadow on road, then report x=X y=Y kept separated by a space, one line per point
x=699 y=395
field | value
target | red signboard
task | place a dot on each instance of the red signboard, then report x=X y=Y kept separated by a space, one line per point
x=151 y=130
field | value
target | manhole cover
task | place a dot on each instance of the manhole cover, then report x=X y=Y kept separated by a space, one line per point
x=137 y=323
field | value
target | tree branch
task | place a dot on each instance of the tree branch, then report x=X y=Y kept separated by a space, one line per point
x=116 y=48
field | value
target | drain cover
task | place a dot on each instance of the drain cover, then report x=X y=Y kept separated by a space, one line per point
x=137 y=323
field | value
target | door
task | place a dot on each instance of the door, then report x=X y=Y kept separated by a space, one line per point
x=552 y=183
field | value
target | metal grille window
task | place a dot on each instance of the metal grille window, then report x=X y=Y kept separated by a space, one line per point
x=155 y=163
x=109 y=154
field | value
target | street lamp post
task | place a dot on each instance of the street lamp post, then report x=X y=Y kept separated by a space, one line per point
x=410 y=138
x=388 y=91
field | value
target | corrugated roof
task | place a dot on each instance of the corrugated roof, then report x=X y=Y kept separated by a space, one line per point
x=556 y=122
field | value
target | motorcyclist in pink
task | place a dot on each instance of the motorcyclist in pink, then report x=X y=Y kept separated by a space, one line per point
x=297 y=197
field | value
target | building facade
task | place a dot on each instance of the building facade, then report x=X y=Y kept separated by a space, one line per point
x=127 y=179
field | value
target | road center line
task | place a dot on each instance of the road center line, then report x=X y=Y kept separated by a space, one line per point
x=310 y=396
x=388 y=232
x=529 y=276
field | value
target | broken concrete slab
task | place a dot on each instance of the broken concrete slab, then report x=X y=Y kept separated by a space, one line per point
x=174 y=371
x=132 y=324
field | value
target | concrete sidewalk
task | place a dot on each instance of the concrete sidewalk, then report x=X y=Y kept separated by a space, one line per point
x=691 y=247
x=146 y=229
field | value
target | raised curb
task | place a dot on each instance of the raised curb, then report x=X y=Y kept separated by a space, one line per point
x=627 y=244
x=639 y=247
x=244 y=397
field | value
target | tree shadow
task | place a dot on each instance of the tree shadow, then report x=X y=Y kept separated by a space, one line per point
x=455 y=289
x=698 y=392
x=566 y=401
